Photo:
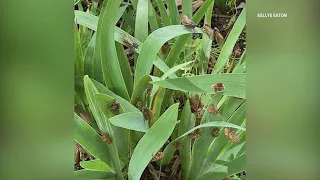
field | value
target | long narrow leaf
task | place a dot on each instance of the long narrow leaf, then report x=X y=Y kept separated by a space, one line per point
x=90 y=140
x=234 y=84
x=95 y=165
x=109 y=59
x=131 y=120
x=87 y=174
x=141 y=26
x=151 y=142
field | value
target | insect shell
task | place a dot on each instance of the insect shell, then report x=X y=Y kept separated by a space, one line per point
x=157 y=156
x=106 y=139
x=130 y=43
x=115 y=107
x=208 y=30
x=215 y=132
x=219 y=87
x=231 y=136
x=195 y=134
x=213 y=110
x=186 y=21
x=218 y=37
x=147 y=114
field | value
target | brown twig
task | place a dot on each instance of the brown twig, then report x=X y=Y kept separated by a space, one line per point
x=153 y=171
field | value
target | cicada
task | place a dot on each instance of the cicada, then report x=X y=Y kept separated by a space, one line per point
x=219 y=87
x=231 y=136
x=218 y=37
x=187 y=22
x=128 y=42
x=208 y=30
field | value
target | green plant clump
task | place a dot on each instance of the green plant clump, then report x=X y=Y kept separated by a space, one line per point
x=159 y=94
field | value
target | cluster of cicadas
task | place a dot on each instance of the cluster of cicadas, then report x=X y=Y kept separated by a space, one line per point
x=213 y=34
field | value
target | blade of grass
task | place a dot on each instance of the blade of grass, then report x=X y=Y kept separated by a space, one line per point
x=173 y=10
x=125 y=67
x=230 y=42
x=95 y=165
x=151 y=142
x=90 y=140
x=87 y=174
x=103 y=124
x=187 y=122
x=152 y=45
x=153 y=18
x=88 y=59
x=109 y=58
x=174 y=69
x=132 y=120
x=206 y=41
x=163 y=12
x=121 y=135
x=234 y=84
x=141 y=25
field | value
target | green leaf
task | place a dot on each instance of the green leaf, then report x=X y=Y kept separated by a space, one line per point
x=87 y=174
x=109 y=59
x=152 y=45
x=187 y=122
x=220 y=171
x=174 y=69
x=173 y=11
x=121 y=135
x=90 y=140
x=89 y=58
x=91 y=21
x=103 y=123
x=141 y=26
x=230 y=42
x=125 y=67
x=152 y=141
x=141 y=87
x=235 y=84
x=127 y=106
x=164 y=15
x=131 y=120
x=95 y=165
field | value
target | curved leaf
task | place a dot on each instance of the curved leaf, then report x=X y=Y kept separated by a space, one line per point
x=95 y=165
x=109 y=58
x=90 y=140
x=131 y=120
x=235 y=84
x=174 y=69
x=152 y=141
x=87 y=174
x=152 y=45
x=141 y=26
